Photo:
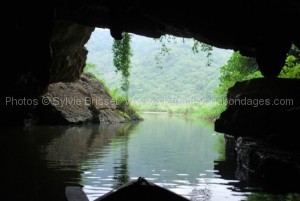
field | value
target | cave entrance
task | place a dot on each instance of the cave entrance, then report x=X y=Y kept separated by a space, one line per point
x=165 y=75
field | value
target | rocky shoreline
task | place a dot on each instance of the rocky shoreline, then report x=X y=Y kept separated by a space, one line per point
x=80 y=102
x=259 y=123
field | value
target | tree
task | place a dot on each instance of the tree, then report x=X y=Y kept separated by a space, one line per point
x=291 y=68
x=122 y=59
x=238 y=68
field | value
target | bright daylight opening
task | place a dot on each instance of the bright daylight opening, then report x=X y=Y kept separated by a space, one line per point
x=165 y=75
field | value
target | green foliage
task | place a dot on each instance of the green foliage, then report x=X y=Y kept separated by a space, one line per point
x=204 y=48
x=123 y=114
x=119 y=98
x=89 y=67
x=198 y=110
x=210 y=111
x=292 y=64
x=185 y=76
x=92 y=69
x=114 y=93
x=219 y=147
x=167 y=41
x=124 y=107
x=291 y=68
x=122 y=59
x=238 y=68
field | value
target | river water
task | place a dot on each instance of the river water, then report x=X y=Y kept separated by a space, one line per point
x=180 y=154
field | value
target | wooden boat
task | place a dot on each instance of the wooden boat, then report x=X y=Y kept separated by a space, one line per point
x=136 y=190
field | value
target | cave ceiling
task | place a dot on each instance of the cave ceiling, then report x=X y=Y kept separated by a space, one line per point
x=242 y=25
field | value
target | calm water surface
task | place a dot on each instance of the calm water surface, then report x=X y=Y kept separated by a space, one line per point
x=183 y=155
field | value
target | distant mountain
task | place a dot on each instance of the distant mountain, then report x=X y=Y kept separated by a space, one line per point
x=184 y=76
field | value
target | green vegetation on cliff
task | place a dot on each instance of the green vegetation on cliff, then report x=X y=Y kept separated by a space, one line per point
x=239 y=68
x=171 y=76
x=179 y=81
x=182 y=75
x=122 y=59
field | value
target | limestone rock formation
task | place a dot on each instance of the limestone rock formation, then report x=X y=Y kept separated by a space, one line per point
x=261 y=107
x=261 y=122
x=84 y=101
x=276 y=169
x=68 y=51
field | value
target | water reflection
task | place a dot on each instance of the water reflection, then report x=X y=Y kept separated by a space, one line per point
x=39 y=162
x=174 y=153
x=184 y=156
x=121 y=174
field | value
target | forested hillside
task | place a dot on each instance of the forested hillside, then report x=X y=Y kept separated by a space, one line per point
x=180 y=76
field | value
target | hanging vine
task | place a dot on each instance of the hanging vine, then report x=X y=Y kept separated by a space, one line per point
x=122 y=54
x=165 y=50
x=122 y=59
x=204 y=48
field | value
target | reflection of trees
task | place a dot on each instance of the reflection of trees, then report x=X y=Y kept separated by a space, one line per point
x=30 y=175
x=219 y=147
x=121 y=174
x=39 y=162
x=227 y=163
x=77 y=143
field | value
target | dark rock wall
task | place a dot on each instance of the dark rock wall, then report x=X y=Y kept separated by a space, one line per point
x=45 y=52
x=69 y=53
x=261 y=107
x=260 y=165
x=262 y=123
